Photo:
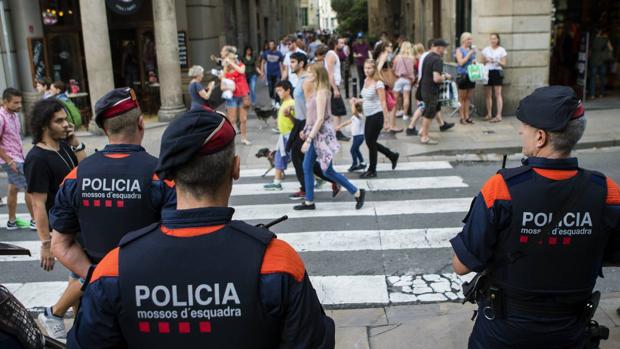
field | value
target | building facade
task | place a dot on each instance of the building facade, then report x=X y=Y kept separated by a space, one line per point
x=524 y=27
x=317 y=14
x=96 y=45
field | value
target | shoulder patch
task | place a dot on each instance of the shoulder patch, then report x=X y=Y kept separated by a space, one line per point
x=280 y=257
x=107 y=267
x=136 y=234
x=613 y=193
x=70 y=175
x=263 y=235
x=495 y=189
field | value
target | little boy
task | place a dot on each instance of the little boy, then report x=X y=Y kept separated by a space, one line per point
x=286 y=114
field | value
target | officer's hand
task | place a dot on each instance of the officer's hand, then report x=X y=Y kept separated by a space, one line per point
x=47 y=258
x=305 y=147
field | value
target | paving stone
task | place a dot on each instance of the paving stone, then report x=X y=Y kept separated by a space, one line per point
x=393 y=279
x=407 y=289
x=358 y=317
x=402 y=283
x=398 y=297
x=451 y=295
x=351 y=338
x=421 y=290
x=432 y=297
x=442 y=286
x=431 y=277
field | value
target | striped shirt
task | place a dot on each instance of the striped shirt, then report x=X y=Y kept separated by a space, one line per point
x=10 y=139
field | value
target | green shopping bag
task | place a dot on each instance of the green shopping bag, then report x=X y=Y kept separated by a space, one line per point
x=475 y=72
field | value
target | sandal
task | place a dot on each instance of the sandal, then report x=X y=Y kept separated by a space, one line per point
x=463 y=122
x=429 y=141
x=496 y=119
x=488 y=118
x=469 y=121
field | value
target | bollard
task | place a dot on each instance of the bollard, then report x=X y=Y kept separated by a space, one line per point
x=354 y=87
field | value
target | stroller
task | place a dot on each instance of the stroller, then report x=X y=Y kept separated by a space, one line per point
x=17 y=328
x=264 y=106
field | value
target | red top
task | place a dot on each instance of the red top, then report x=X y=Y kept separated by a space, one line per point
x=241 y=84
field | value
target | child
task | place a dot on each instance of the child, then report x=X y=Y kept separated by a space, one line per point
x=357 y=132
x=285 y=123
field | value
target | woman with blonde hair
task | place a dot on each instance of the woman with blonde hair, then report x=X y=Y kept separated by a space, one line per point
x=319 y=135
x=465 y=56
x=240 y=102
x=405 y=73
x=374 y=105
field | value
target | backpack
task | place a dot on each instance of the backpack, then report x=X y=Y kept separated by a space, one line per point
x=73 y=113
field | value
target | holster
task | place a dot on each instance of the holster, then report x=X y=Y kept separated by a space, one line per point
x=475 y=288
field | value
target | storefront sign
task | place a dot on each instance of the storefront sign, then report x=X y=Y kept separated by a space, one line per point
x=124 y=7
x=582 y=64
x=183 y=55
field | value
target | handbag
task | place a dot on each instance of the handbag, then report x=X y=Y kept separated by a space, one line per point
x=475 y=72
x=389 y=99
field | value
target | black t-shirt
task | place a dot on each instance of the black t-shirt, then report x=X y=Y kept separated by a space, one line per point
x=432 y=63
x=46 y=169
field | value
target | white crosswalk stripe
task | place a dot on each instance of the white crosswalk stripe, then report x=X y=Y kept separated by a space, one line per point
x=402 y=166
x=384 y=199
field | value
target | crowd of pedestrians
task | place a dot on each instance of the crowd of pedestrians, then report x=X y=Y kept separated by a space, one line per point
x=395 y=79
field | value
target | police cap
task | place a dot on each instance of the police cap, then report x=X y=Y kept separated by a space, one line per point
x=550 y=108
x=114 y=103
x=193 y=133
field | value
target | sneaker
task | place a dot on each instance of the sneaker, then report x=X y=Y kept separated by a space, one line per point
x=246 y=142
x=359 y=201
x=297 y=195
x=406 y=117
x=21 y=223
x=273 y=186
x=319 y=183
x=369 y=174
x=304 y=206
x=412 y=132
x=352 y=168
x=341 y=137
x=335 y=189
x=446 y=126
x=54 y=325
x=11 y=225
x=33 y=225
x=361 y=166
x=400 y=113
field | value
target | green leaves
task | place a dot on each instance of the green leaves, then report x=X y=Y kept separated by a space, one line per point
x=352 y=15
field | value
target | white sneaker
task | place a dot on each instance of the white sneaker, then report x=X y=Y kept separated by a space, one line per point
x=54 y=325
x=405 y=117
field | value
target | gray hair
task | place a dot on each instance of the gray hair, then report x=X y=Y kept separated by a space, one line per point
x=195 y=70
x=204 y=175
x=564 y=141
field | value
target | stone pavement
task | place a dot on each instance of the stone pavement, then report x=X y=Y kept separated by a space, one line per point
x=477 y=140
x=437 y=325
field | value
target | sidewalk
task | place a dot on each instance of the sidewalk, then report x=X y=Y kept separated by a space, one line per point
x=478 y=140
x=438 y=325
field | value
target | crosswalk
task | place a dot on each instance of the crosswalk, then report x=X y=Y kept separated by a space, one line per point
x=395 y=250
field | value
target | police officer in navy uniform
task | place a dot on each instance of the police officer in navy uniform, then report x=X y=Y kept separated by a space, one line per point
x=112 y=192
x=199 y=279
x=540 y=233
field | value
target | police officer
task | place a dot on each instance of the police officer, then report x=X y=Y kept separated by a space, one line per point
x=541 y=233
x=111 y=192
x=199 y=279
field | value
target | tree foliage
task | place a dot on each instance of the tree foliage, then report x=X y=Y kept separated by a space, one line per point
x=352 y=15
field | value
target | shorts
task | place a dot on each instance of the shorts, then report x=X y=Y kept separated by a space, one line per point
x=17 y=179
x=338 y=107
x=235 y=102
x=431 y=106
x=463 y=82
x=280 y=162
x=402 y=84
x=496 y=77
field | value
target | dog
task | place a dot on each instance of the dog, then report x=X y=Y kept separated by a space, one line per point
x=269 y=155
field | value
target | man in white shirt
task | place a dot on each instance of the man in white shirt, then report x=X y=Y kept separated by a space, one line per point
x=287 y=73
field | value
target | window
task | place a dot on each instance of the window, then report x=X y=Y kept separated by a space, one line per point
x=463 y=18
x=304 y=16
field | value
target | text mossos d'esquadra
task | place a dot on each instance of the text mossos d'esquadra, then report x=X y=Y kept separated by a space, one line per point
x=187 y=301
x=572 y=223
